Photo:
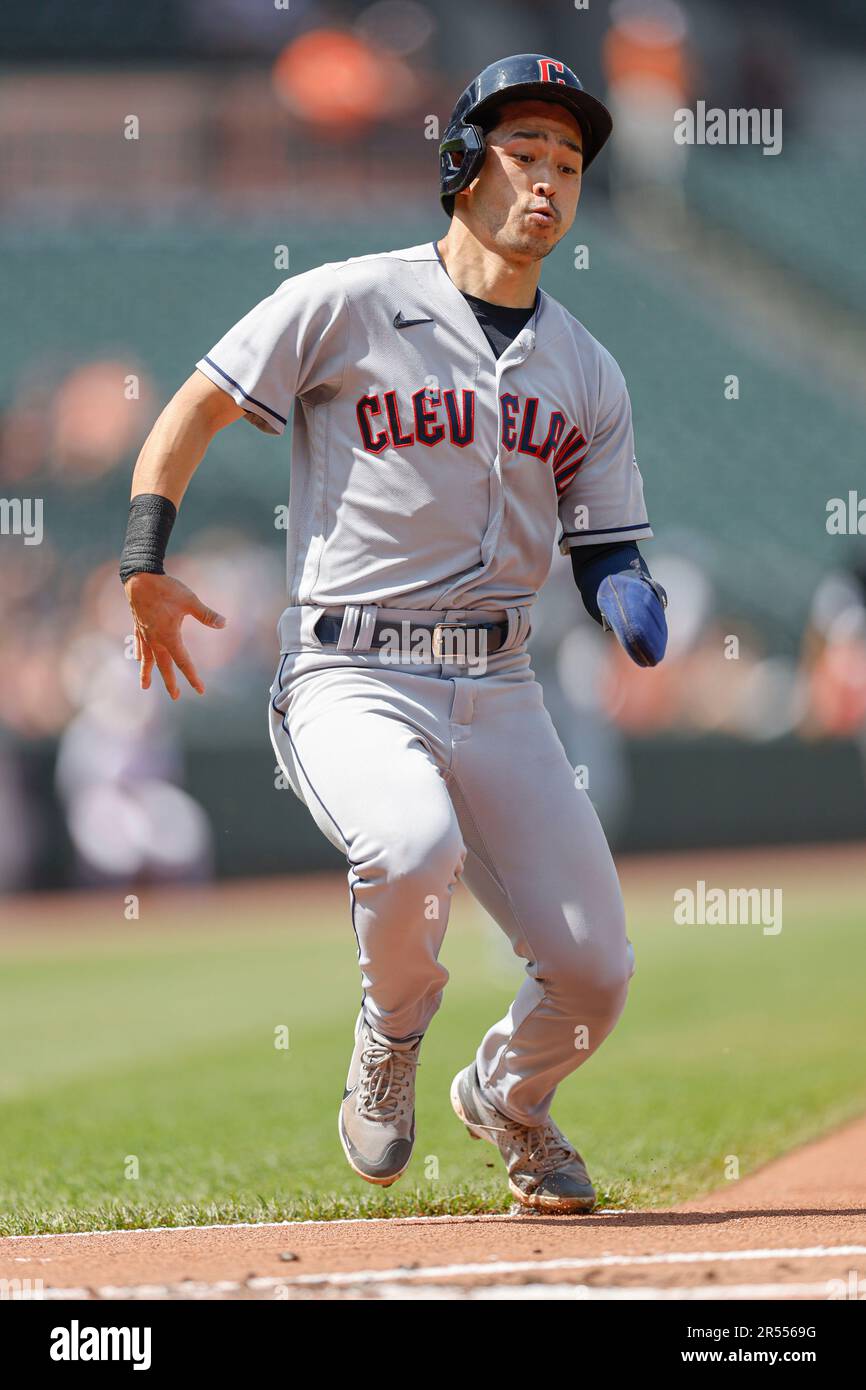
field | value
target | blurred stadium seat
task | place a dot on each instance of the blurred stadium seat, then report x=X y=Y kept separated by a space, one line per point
x=805 y=209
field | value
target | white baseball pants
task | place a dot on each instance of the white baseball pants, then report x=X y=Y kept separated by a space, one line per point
x=422 y=775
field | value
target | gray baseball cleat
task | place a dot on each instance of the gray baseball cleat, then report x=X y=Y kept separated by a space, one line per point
x=545 y=1171
x=377 y=1116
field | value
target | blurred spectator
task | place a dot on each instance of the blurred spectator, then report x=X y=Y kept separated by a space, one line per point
x=99 y=413
x=766 y=73
x=714 y=679
x=648 y=72
x=118 y=763
x=833 y=655
x=365 y=83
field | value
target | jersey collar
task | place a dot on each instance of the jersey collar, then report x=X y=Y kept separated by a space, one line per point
x=535 y=307
x=525 y=339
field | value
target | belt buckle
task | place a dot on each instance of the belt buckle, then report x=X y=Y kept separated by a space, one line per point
x=438 y=630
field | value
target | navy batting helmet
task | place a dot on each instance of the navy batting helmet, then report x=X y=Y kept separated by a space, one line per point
x=524 y=77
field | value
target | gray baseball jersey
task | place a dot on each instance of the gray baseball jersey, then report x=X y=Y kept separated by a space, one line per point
x=426 y=473
x=430 y=478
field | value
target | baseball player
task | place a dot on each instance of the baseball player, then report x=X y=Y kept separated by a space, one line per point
x=449 y=418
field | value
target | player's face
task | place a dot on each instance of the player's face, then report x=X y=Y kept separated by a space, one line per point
x=525 y=198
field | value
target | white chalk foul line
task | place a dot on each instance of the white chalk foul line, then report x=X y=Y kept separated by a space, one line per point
x=402 y=1275
x=459 y=1271
x=292 y=1225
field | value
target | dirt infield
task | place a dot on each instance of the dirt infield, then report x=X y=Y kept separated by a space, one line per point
x=795 y=1229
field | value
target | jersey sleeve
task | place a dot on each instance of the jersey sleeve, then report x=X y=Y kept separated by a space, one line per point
x=602 y=499
x=291 y=344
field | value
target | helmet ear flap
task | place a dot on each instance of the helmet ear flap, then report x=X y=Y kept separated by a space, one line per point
x=461 y=156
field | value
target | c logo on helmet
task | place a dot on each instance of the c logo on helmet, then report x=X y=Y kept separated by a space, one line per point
x=547 y=67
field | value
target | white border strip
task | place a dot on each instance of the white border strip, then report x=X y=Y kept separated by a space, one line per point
x=578 y=1293
x=584 y=1293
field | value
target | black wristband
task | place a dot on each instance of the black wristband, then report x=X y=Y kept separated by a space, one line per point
x=591 y=564
x=148 y=528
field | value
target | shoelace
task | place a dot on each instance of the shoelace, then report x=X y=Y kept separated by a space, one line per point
x=540 y=1144
x=385 y=1077
x=544 y=1146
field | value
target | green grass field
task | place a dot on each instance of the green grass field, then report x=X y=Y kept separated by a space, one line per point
x=155 y=1041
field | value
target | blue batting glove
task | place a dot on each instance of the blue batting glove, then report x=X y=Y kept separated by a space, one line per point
x=633 y=607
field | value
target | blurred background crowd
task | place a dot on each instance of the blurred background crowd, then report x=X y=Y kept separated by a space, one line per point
x=164 y=166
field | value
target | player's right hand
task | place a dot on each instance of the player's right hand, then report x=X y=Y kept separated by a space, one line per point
x=159 y=605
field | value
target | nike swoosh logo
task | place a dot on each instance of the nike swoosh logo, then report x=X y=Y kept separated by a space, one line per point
x=346 y=1093
x=401 y=322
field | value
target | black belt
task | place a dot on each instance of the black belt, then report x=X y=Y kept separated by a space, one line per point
x=447 y=639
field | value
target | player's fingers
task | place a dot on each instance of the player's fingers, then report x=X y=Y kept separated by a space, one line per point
x=183 y=661
x=166 y=669
x=146 y=666
x=208 y=616
x=143 y=656
x=136 y=644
